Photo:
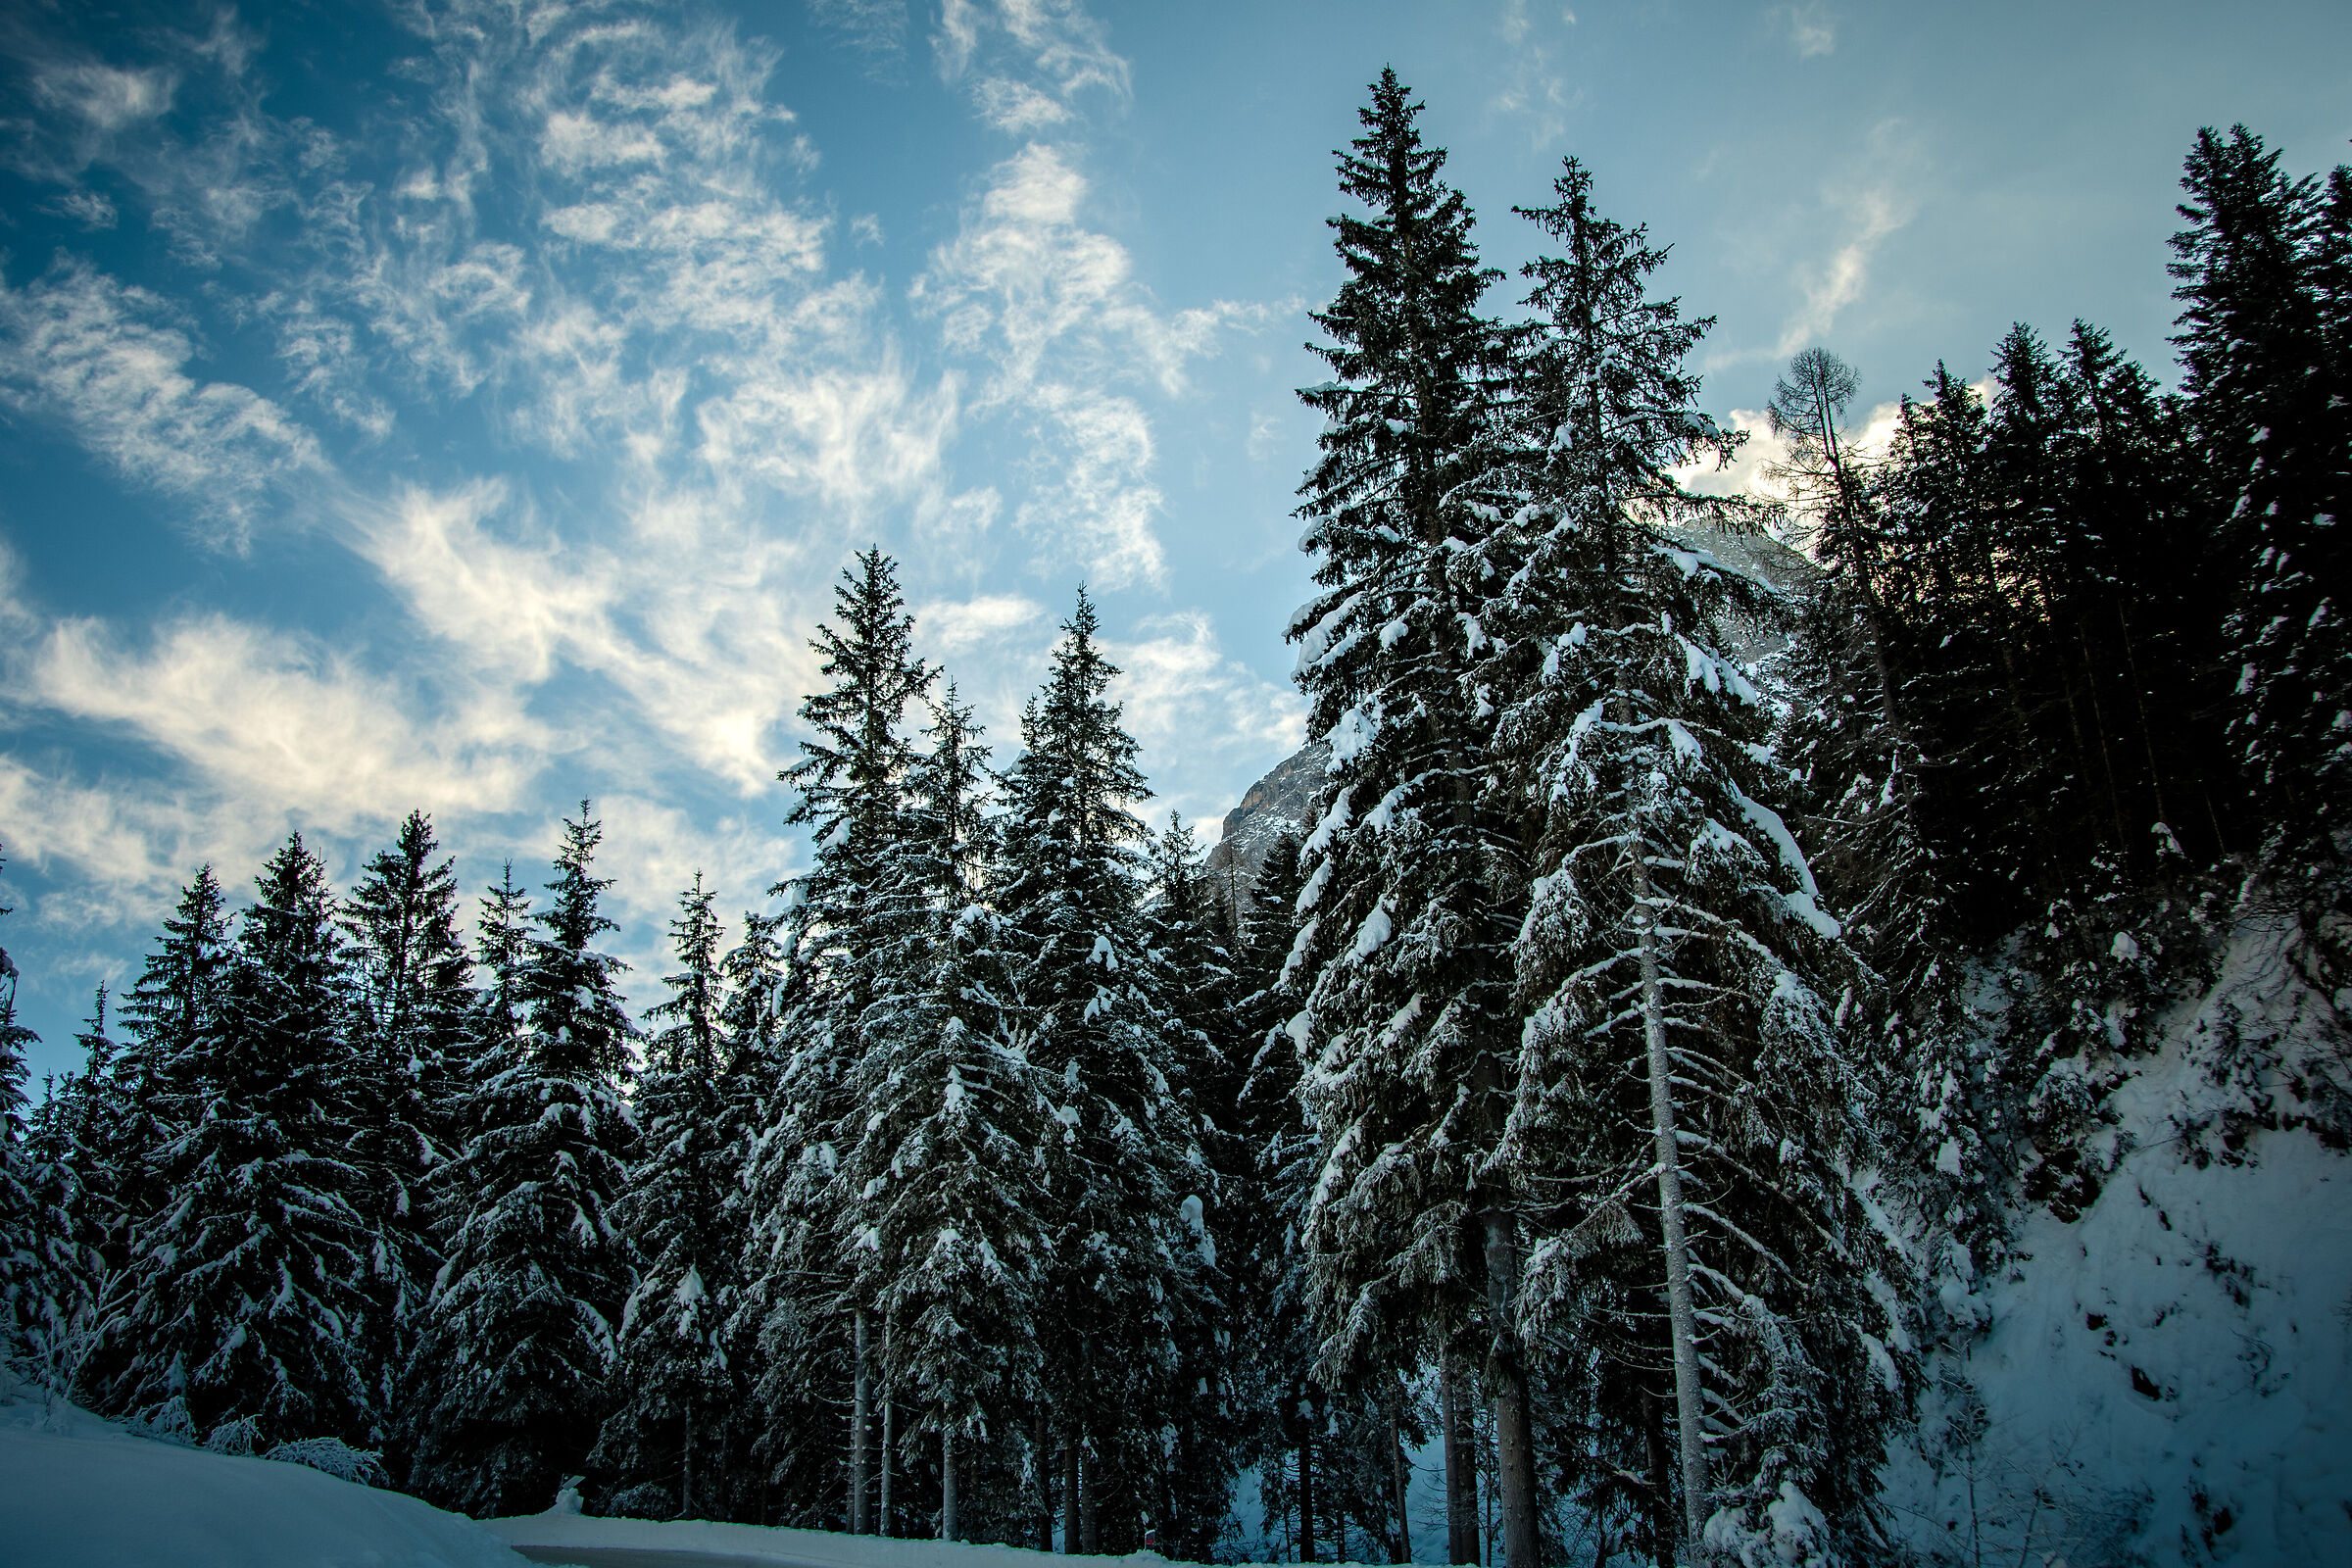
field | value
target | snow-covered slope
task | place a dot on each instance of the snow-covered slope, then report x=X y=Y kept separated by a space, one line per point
x=77 y=1492
x=2168 y=1379
x=569 y=1536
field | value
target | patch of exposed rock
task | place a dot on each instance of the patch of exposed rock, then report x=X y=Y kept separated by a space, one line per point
x=1283 y=802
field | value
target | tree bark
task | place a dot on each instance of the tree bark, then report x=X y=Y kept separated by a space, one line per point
x=1514 y=1434
x=1090 y=1511
x=1462 y=1462
x=1071 y=1537
x=686 y=1467
x=861 y=1410
x=1682 y=1318
x=889 y=1440
x=1401 y=1548
x=1041 y=1447
x=1661 y=1479
x=1306 y=1498
x=946 y=1484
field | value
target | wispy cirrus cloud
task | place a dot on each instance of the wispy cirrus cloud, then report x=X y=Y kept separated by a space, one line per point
x=1052 y=309
x=1809 y=28
x=112 y=365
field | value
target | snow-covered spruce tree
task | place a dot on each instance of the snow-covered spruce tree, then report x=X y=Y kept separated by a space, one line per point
x=1849 y=741
x=250 y=1300
x=1265 y=1272
x=79 y=1241
x=1688 y=1123
x=1122 y=1161
x=174 y=1001
x=815 y=1332
x=680 y=1381
x=942 y=1192
x=28 y=1288
x=1186 y=922
x=1414 y=881
x=410 y=1028
x=515 y=1345
x=2265 y=338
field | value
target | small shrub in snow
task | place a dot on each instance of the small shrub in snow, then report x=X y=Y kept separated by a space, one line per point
x=336 y=1457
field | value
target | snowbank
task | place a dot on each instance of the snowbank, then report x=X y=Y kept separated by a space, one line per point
x=575 y=1539
x=2168 y=1378
x=77 y=1492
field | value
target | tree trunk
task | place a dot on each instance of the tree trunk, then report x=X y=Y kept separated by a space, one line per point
x=1306 y=1498
x=946 y=1484
x=1462 y=1462
x=1045 y=1484
x=1402 y=1549
x=1661 y=1479
x=1090 y=1512
x=1514 y=1434
x=686 y=1467
x=1070 y=1538
x=861 y=1414
x=1681 y=1318
x=889 y=1441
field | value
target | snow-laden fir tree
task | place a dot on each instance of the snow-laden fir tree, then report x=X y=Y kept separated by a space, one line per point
x=1689 y=1123
x=28 y=1286
x=941 y=1206
x=1414 y=879
x=174 y=1001
x=516 y=1346
x=681 y=1383
x=1263 y=1213
x=1187 y=923
x=1123 y=1161
x=2266 y=336
x=409 y=1025
x=852 y=778
x=249 y=1308
x=80 y=1231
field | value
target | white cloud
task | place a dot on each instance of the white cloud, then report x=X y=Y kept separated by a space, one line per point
x=1196 y=711
x=950 y=626
x=106 y=97
x=1053 y=308
x=282 y=726
x=1534 y=86
x=1809 y=27
x=1061 y=50
x=1876 y=196
x=107 y=362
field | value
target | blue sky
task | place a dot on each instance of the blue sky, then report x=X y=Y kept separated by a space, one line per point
x=469 y=405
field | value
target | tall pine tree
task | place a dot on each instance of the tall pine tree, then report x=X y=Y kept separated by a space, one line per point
x=517 y=1340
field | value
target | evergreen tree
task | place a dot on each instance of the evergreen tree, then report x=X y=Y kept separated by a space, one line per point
x=250 y=1303
x=411 y=1027
x=26 y=1284
x=942 y=1196
x=1123 y=1167
x=2263 y=339
x=78 y=1223
x=852 y=779
x=173 y=1004
x=517 y=1339
x=680 y=1376
x=1416 y=883
x=1689 y=1118
x=1186 y=924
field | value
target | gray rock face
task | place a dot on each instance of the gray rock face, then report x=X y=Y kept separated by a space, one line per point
x=1283 y=802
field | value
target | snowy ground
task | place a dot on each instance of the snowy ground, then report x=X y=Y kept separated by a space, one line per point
x=77 y=1492
x=2169 y=1379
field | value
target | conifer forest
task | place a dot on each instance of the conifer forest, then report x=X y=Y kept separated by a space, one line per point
x=1722 y=938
